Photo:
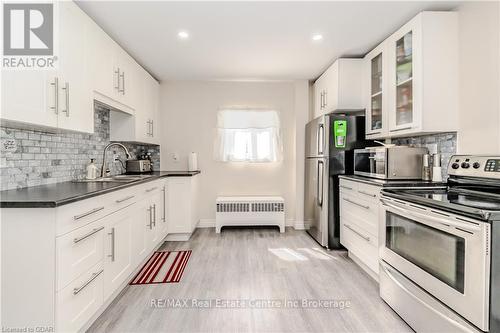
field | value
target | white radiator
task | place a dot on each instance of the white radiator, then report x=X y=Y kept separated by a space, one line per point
x=249 y=211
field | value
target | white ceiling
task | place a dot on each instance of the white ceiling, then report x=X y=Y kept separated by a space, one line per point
x=249 y=40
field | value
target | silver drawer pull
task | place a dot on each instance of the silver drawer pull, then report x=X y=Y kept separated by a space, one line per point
x=112 y=234
x=357 y=204
x=125 y=199
x=92 y=278
x=366 y=238
x=94 y=231
x=95 y=210
x=368 y=194
x=346 y=187
x=151 y=189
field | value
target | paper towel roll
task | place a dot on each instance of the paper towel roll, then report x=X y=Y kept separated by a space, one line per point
x=193 y=162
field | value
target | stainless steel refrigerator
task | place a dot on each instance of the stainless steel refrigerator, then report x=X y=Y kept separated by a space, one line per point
x=330 y=143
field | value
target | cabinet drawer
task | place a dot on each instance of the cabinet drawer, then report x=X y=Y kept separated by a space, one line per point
x=358 y=243
x=78 y=251
x=80 y=300
x=368 y=192
x=347 y=186
x=362 y=209
x=369 y=226
x=75 y=215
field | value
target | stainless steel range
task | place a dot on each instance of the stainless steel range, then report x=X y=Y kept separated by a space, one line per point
x=440 y=250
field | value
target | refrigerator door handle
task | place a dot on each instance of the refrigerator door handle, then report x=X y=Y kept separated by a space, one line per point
x=319 y=187
x=321 y=138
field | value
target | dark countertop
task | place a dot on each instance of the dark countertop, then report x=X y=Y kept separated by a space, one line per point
x=54 y=195
x=393 y=183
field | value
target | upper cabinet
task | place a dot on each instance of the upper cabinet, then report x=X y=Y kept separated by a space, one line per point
x=412 y=79
x=59 y=98
x=90 y=66
x=340 y=87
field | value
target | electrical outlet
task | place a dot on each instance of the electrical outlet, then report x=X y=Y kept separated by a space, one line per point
x=175 y=157
x=432 y=147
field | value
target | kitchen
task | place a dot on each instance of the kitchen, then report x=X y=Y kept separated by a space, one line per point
x=207 y=169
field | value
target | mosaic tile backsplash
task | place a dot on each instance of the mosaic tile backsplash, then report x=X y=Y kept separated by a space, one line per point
x=31 y=158
x=444 y=144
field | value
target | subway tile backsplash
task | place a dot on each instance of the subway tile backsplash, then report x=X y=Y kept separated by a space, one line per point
x=444 y=144
x=30 y=158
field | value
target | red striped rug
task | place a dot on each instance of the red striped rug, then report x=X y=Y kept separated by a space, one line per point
x=163 y=267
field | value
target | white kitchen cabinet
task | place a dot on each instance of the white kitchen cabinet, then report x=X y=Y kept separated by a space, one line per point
x=182 y=207
x=58 y=98
x=80 y=255
x=76 y=105
x=421 y=74
x=118 y=249
x=143 y=125
x=340 y=87
x=377 y=91
x=359 y=223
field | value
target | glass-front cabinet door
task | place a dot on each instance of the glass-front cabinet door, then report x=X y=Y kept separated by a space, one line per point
x=376 y=105
x=403 y=111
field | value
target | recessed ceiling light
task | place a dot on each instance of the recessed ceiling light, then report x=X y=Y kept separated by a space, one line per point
x=183 y=34
x=317 y=37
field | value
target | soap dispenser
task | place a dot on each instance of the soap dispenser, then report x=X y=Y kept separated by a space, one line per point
x=91 y=170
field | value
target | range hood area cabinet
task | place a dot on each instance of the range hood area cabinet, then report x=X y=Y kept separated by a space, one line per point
x=411 y=79
x=142 y=126
x=340 y=87
x=59 y=98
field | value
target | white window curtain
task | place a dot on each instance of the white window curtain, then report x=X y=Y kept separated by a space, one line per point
x=248 y=136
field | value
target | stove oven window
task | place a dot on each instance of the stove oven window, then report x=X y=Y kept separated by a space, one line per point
x=437 y=252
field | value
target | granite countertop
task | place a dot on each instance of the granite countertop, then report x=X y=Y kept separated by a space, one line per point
x=394 y=183
x=54 y=195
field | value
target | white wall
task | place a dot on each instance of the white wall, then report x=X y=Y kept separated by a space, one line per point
x=188 y=118
x=479 y=74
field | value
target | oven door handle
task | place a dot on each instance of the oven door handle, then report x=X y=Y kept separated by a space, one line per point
x=443 y=221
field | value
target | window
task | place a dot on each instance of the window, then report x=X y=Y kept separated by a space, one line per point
x=248 y=136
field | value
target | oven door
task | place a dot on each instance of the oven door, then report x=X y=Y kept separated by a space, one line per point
x=371 y=162
x=446 y=255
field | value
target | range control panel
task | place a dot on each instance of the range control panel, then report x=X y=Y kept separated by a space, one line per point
x=475 y=166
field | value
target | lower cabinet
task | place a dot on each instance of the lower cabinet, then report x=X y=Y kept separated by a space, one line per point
x=118 y=249
x=78 y=256
x=359 y=220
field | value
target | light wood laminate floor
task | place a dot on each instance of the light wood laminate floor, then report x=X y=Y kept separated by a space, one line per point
x=256 y=264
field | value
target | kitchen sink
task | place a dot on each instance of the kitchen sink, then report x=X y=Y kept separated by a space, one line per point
x=115 y=179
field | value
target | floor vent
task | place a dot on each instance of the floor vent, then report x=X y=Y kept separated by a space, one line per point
x=249 y=211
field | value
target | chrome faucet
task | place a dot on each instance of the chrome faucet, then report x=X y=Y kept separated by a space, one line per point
x=104 y=154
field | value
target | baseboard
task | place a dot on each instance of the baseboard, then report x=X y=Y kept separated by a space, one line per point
x=206 y=223
x=178 y=237
x=299 y=225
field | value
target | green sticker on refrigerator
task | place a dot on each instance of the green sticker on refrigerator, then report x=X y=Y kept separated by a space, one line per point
x=340 y=133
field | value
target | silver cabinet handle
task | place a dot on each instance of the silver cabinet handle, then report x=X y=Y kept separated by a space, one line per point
x=125 y=199
x=94 y=231
x=321 y=101
x=164 y=204
x=150 y=225
x=357 y=204
x=117 y=72
x=326 y=97
x=66 y=90
x=346 y=187
x=149 y=127
x=112 y=234
x=92 y=278
x=152 y=128
x=90 y=212
x=56 y=95
x=366 y=238
x=154 y=215
x=151 y=189
x=368 y=194
x=122 y=75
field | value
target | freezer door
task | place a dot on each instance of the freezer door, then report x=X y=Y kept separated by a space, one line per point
x=316 y=138
x=316 y=199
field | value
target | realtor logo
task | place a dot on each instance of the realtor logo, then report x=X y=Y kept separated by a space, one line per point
x=28 y=35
